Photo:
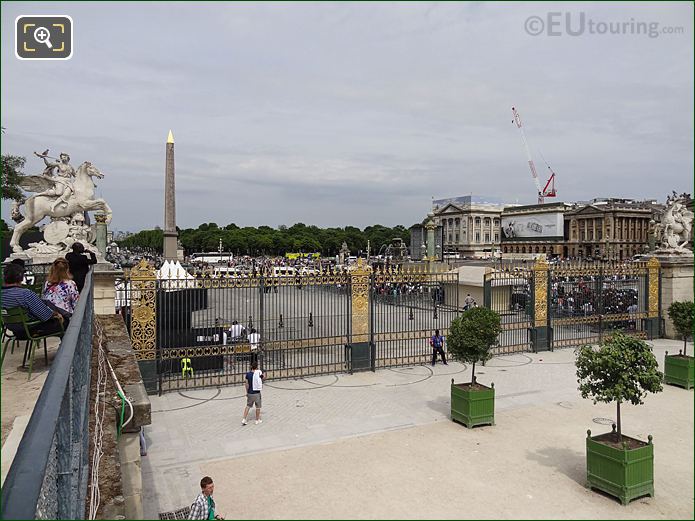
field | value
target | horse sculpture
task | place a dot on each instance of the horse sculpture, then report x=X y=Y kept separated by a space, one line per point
x=676 y=224
x=39 y=206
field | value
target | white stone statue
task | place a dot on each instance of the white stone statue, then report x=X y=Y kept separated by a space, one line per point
x=675 y=230
x=59 y=236
x=64 y=198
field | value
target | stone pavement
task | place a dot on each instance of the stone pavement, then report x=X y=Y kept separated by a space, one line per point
x=381 y=445
x=19 y=395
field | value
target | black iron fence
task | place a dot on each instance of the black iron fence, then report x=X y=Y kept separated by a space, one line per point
x=587 y=302
x=48 y=476
x=509 y=292
x=405 y=310
x=207 y=330
x=34 y=276
x=570 y=304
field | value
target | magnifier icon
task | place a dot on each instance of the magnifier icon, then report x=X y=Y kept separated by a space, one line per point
x=42 y=35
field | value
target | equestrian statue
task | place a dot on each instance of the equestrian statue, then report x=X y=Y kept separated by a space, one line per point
x=61 y=192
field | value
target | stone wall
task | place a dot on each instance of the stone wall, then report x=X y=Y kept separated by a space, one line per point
x=676 y=286
x=120 y=469
x=104 y=278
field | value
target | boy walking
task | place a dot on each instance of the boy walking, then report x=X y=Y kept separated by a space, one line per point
x=204 y=506
x=253 y=381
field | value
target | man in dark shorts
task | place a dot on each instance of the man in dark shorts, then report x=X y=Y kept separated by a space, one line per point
x=253 y=381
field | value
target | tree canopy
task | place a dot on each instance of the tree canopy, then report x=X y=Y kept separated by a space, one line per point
x=473 y=334
x=682 y=314
x=11 y=172
x=621 y=369
x=265 y=240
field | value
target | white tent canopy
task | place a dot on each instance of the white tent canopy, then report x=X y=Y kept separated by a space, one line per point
x=173 y=276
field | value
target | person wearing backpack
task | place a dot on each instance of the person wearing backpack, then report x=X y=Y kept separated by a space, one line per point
x=437 y=343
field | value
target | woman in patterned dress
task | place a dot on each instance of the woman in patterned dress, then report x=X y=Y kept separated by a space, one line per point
x=60 y=291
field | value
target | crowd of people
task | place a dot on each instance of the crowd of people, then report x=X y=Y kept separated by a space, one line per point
x=583 y=297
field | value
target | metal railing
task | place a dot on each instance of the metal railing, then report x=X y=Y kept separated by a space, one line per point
x=48 y=477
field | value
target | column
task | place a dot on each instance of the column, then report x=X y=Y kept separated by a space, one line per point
x=143 y=328
x=540 y=337
x=360 y=350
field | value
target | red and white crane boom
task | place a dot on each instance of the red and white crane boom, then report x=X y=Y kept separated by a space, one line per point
x=549 y=189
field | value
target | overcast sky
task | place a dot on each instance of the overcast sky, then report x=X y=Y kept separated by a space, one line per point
x=341 y=114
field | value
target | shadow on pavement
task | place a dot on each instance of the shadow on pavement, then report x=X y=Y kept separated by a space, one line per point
x=571 y=463
x=442 y=407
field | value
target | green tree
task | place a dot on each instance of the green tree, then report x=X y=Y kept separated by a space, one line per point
x=681 y=314
x=472 y=335
x=269 y=241
x=11 y=174
x=621 y=369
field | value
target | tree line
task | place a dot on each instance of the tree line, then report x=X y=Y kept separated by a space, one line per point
x=265 y=240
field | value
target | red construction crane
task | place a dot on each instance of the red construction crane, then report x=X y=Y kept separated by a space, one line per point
x=549 y=189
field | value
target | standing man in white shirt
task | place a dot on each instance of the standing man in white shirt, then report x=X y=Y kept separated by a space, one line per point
x=253 y=382
x=254 y=342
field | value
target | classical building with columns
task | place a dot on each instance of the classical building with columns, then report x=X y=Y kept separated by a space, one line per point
x=605 y=228
x=613 y=229
x=470 y=225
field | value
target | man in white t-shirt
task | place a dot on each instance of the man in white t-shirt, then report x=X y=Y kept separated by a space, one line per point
x=254 y=341
x=235 y=331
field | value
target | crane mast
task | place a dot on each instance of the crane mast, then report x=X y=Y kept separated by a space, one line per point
x=549 y=189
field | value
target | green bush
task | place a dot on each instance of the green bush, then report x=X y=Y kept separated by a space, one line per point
x=681 y=314
x=472 y=334
x=622 y=369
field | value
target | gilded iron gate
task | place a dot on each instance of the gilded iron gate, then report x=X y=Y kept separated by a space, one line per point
x=197 y=332
x=509 y=291
x=200 y=332
x=568 y=304
x=588 y=301
x=407 y=305
x=206 y=331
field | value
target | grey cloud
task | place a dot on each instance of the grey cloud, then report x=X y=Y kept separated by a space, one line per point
x=354 y=113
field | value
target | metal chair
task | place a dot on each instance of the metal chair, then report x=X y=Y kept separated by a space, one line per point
x=186 y=367
x=18 y=316
x=8 y=337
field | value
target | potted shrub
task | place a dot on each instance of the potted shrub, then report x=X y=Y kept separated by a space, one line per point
x=678 y=369
x=471 y=336
x=622 y=369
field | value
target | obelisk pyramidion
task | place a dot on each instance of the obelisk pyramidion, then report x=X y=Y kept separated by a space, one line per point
x=170 y=233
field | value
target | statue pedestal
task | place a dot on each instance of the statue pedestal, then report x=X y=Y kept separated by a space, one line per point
x=676 y=281
x=104 y=281
x=33 y=256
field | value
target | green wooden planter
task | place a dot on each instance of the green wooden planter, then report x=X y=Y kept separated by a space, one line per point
x=625 y=474
x=679 y=370
x=472 y=407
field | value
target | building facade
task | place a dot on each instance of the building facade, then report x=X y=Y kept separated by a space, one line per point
x=532 y=230
x=470 y=226
x=603 y=228
x=613 y=229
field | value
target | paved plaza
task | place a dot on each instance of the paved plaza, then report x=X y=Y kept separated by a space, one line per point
x=381 y=445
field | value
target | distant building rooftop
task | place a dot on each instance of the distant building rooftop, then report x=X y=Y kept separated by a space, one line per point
x=597 y=201
x=469 y=202
x=466 y=200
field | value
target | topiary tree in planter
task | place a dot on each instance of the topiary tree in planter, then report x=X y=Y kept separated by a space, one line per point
x=471 y=337
x=622 y=369
x=679 y=369
x=681 y=314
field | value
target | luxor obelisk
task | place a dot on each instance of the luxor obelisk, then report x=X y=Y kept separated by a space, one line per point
x=170 y=233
